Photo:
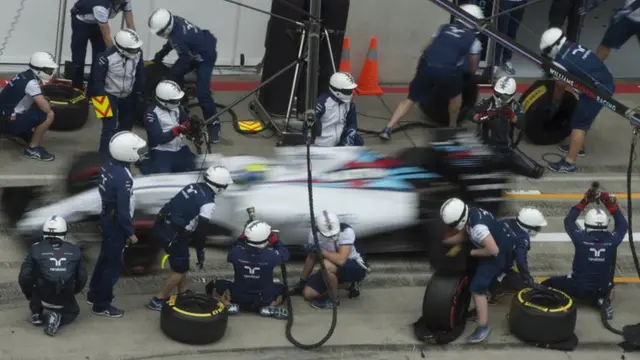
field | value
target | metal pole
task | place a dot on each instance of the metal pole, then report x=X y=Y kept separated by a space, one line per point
x=123 y=22
x=296 y=74
x=491 y=44
x=313 y=66
x=62 y=12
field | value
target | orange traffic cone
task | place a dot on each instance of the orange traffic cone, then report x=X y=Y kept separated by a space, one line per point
x=345 y=59
x=368 y=80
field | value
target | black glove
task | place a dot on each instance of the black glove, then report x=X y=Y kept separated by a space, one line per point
x=200 y=257
x=297 y=288
x=537 y=286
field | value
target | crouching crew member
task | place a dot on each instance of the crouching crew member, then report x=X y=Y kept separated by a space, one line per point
x=166 y=119
x=51 y=275
x=116 y=220
x=490 y=241
x=25 y=121
x=346 y=266
x=181 y=221
x=196 y=50
x=498 y=117
x=337 y=123
x=592 y=274
x=258 y=251
x=118 y=75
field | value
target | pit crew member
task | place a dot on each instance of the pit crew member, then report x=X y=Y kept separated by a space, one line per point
x=497 y=117
x=25 y=121
x=584 y=64
x=165 y=120
x=490 y=241
x=116 y=220
x=52 y=273
x=90 y=23
x=196 y=50
x=118 y=75
x=345 y=264
x=257 y=252
x=453 y=50
x=336 y=114
x=624 y=24
x=592 y=275
x=180 y=222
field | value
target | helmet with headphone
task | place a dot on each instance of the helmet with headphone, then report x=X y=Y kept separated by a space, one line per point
x=328 y=225
x=341 y=85
x=257 y=234
x=169 y=94
x=596 y=220
x=473 y=10
x=125 y=146
x=551 y=41
x=504 y=90
x=161 y=23
x=128 y=43
x=454 y=213
x=531 y=220
x=43 y=65
x=218 y=179
x=55 y=228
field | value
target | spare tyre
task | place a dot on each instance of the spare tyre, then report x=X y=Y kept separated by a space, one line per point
x=195 y=319
x=436 y=108
x=83 y=173
x=70 y=105
x=542 y=316
x=446 y=302
x=540 y=129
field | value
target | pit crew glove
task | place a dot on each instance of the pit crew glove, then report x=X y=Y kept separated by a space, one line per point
x=297 y=288
x=537 y=286
x=186 y=124
x=588 y=198
x=200 y=257
x=454 y=251
x=620 y=14
x=609 y=201
x=273 y=238
x=177 y=130
x=351 y=137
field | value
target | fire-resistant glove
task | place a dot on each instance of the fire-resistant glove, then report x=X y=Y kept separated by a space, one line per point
x=609 y=201
x=200 y=257
x=186 y=124
x=177 y=130
x=274 y=237
x=537 y=286
x=589 y=197
x=454 y=251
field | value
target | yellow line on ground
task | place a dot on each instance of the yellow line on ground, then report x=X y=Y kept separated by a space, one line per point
x=617 y=279
x=553 y=196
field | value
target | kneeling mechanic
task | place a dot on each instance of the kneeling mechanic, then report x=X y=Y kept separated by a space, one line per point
x=179 y=222
x=51 y=275
x=591 y=277
x=345 y=264
x=257 y=252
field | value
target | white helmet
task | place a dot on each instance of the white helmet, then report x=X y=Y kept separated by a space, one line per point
x=551 y=42
x=454 y=213
x=55 y=227
x=341 y=85
x=328 y=225
x=169 y=94
x=126 y=146
x=43 y=65
x=161 y=23
x=504 y=90
x=218 y=178
x=128 y=43
x=257 y=234
x=473 y=10
x=596 y=220
x=531 y=220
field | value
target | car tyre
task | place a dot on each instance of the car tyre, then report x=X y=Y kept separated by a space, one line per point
x=70 y=106
x=446 y=302
x=540 y=129
x=141 y=258
x=83 y=172
x=195 y=319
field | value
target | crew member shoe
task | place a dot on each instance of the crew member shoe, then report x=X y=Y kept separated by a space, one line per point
x=325 y=303
x=36 y=319
x=480 y=334
x=565 y=150
x=90 y=300
x=354 y=290
x=233 y=309
x=385 y=134
x=156 y=303
x=53 y=323
x=508 y=68
x=274 y=312
x=608 y=310
x=562 y=166
x=38 y=153
x=111 y=311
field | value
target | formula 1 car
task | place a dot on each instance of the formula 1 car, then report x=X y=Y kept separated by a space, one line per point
x=392 y=202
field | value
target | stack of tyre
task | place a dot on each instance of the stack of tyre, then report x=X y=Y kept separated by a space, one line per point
x=70 y=106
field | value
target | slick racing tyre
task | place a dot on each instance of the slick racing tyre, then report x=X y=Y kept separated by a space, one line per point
x=455 y=265
x=446 y=302
x=140 y=258
x=542 y=317
x=83 y=173
x=539 y=128
x=70 y=105
x=195 y=319
x=16 y=201
x=436 y=108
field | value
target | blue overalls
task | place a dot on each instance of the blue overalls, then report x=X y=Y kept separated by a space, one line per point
x=196 y=49
x=339 y=122
x=85 y=17
x=116 y=221
x=17 y=98
x=119 y=78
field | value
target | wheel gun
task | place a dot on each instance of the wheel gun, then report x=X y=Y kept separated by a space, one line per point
x=593 y=194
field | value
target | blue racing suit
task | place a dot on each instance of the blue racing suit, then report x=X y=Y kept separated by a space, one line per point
x=120 y=79
x=519 y=246
x=443 y=63
x=178 y=223
x=196 y=50
x=86 y=15
x=592 y=273
x=116 y=221
x=338 y=121
x=16 y=101
x=168 y=153
x=584 y=64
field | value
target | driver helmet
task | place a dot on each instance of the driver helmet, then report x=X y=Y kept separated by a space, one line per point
x=128 y=43
x=161 y=23
x=257 y=234
x=55 y=228
x=504 y=90
x=126 y=146
x=43 y=65
x=596 y=220
x=551 y=41
x=473 y=10
x=341 y=85
x=328 y=225
x=531 y=220
x=169 y=94
x=454 y=213
x=218 y=179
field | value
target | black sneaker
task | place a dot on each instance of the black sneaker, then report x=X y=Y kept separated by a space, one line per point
x=36 y=319
x=53 y=323
x=354 y=290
